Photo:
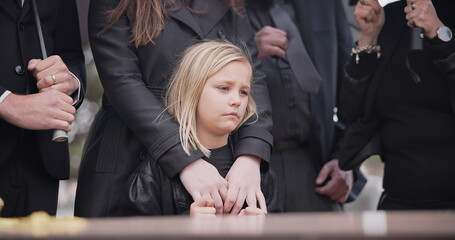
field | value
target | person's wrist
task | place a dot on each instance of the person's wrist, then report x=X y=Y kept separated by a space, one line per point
x=250 y=159
x=365 y=40
x=365 y=49
x=75 y=84
x=432 y=32
x=4 y=106
x=4 y=95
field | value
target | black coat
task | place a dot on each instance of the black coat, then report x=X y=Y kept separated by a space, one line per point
x=127 y=129
x=19 y=43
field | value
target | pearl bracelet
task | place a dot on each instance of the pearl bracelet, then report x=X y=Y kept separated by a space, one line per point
x=367 y=49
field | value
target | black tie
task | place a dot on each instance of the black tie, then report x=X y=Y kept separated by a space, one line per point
x=305 y=72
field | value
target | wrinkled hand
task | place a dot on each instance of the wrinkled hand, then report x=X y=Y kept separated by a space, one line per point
x=244 y=183
x=424 y=16
x=338 y=186
x=370 y=18
x=40 y=111
x=252 y=211
x=203 y=207
x=43 y=70
x=202 y=179
x=271 y=42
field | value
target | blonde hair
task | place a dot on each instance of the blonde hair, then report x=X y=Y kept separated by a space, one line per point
x=199 y=63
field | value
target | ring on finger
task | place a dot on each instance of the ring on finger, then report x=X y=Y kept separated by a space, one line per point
x=362 y=2
x=413 y=6
x=54 y=80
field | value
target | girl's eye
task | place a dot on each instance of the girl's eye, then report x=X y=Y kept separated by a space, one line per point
x=244 y=93
x=224 y=88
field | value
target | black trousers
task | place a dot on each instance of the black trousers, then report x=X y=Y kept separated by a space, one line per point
x=25 y=185
x=297 y=182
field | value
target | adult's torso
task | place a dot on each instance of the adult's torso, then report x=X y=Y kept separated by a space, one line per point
x=417 y=124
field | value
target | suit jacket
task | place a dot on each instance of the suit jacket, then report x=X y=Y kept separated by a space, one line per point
x=135 y=80
x=19 y=43
x=325 y=33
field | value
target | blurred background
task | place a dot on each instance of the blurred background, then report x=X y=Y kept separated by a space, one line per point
x=372 y=168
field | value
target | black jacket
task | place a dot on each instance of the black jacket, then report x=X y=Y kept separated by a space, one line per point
x=18 y=44
x=134 y=80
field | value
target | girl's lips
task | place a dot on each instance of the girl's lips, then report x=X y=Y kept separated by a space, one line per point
x=233 y=114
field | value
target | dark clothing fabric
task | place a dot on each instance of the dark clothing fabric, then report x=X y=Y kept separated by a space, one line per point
x=414 y=122
x=389 y=202
x=222 y=159
x=25 y=185
x=297 y=174
x=19 y=43
x=417 y=125
x=304 y=130
x=134 y=81
x=149 y=191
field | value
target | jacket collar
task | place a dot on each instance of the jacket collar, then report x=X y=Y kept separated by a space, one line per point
x=202 y=24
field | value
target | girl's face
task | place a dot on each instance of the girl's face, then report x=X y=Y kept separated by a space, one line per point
x=223 y=101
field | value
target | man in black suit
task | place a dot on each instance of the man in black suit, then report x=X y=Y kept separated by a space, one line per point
x=304 y=44
x=36 y=96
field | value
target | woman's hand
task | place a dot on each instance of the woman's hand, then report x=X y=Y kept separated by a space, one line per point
x=370 y=18
x=201 y=179
x=421 y=13
x=244 y=183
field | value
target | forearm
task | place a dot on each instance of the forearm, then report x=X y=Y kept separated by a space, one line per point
x=353 y=90
x=250 y=145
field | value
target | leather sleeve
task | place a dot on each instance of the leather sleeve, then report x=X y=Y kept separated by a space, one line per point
x=143 y=193
x=269 y=186
x=118 y=68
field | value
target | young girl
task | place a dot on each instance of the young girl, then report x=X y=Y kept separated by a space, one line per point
x=209 y=96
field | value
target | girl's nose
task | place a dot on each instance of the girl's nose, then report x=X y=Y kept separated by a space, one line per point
x=235 y=100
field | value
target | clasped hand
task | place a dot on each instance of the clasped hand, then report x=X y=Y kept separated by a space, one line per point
x=225 y=196
x=51 y=107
